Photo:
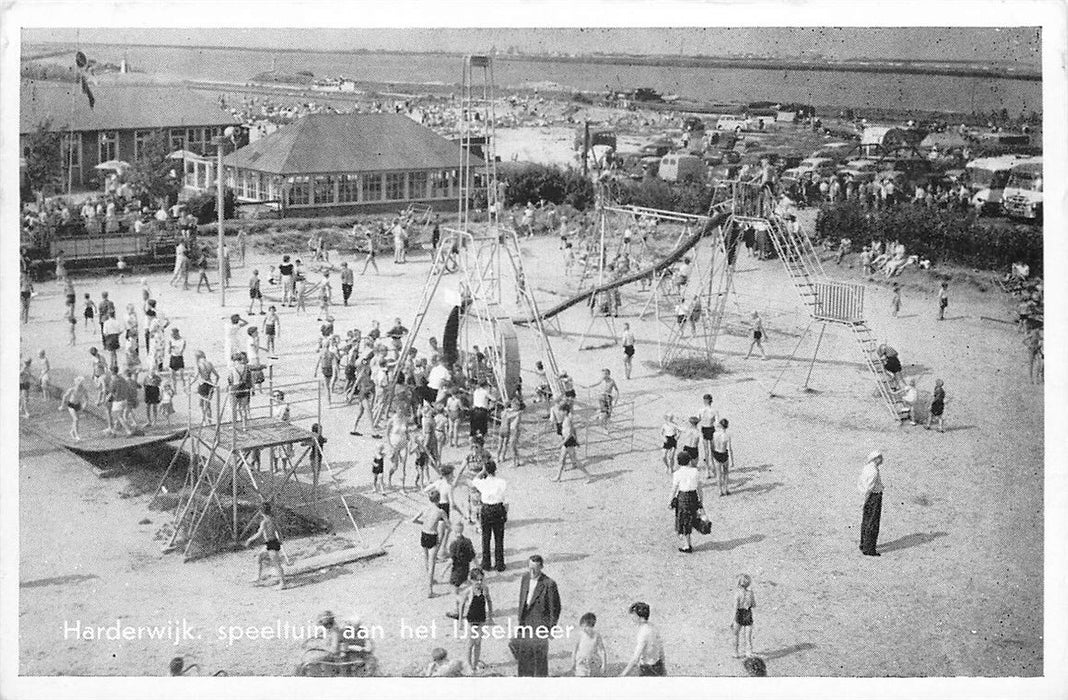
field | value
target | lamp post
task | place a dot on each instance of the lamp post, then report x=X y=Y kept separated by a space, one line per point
x=220 y=141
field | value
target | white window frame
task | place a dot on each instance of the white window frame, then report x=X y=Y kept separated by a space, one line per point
x=105 y=139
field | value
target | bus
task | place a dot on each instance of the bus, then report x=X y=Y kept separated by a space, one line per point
x=986 y=179
x=1022 y=198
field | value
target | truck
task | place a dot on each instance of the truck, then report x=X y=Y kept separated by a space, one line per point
x=986 y=178
x=1022 y=198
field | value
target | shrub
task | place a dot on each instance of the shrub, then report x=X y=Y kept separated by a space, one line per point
x=694 y=368
x=533 y=182
x=202 y=206
x=944 y=236
x=658 y=194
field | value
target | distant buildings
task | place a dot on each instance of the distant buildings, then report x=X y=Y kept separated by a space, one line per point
x=341 y=163
x=123 y=118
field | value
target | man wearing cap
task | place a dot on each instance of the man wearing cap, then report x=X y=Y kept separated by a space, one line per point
x=870 y=484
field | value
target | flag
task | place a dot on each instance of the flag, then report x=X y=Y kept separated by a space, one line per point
x=81 y=63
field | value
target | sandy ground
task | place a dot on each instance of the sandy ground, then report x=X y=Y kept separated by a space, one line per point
x=957 y=591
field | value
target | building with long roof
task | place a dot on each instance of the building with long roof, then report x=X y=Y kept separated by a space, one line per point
x=342 y=163
x=117 y=127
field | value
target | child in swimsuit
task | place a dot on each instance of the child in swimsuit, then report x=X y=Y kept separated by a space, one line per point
x=589 y=658
x=722 y=455
x=166 y=402
x=744 y=602
x=670 y=432
x=90 y=310
x=938 y=407
x=476 y=611
x=272 y=539
x=378 y=467
x=628 y=349
x=74 y=400
x=46 y=369
x=72 y=325
x=432 y=518
x=24 y=388
x=707 y=414
x=692 y=439
x=271 y=326
x=453 y=408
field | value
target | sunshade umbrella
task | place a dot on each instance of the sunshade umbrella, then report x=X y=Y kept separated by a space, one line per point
x=117 y=165
x=182 y=154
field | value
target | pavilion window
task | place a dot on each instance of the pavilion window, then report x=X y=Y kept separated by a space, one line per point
x=109 y=146
x=299 y=190
x=371 y=187
x=417 y=183
x=72 y=150
x=140 y=137
x=439 y=185
x=324 y=189
x=395 y=185
x=348 y=188
x=177 y=139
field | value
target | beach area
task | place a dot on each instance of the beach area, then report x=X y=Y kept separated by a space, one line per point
x=955 y=588
x=728 y=363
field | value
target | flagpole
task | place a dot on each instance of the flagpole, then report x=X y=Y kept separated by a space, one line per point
x=70 y=136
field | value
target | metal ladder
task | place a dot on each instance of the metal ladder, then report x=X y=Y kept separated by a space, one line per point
x=477 y=98
x=430 y=288
x=804 y=268
x=869 y=347
x=718 y=313
x=526 y=295
x=799 y=267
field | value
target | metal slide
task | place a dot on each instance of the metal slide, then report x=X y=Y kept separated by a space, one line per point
x=673 y=257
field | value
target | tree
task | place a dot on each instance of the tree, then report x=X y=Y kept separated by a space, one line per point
x=44 y=158
x=151 y=173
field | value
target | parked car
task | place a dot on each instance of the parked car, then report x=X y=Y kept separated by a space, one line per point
x=658 y=148
x=819 y=167
x=681 y=167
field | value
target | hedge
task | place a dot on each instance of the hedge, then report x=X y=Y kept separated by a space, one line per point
x=533 y=182
x=943 y=236
x=658 y=194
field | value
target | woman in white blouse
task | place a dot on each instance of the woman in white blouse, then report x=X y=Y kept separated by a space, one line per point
x=686 y=500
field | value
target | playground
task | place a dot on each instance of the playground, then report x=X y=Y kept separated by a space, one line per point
x=955 y=592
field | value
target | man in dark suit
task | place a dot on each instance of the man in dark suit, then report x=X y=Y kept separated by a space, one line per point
x=539 y=611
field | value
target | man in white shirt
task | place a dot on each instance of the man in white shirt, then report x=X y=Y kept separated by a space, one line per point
x=111 y=329
x=870 y=485
x=493 y=493
x=439 y=374
x=480 y=405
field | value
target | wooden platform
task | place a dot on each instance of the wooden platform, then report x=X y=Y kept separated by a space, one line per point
x=260 y=433
x=54 y=426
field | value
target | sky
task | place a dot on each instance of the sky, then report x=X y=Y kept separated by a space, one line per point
x=1014 y=44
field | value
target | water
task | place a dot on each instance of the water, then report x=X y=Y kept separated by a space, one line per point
x=728 y=85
